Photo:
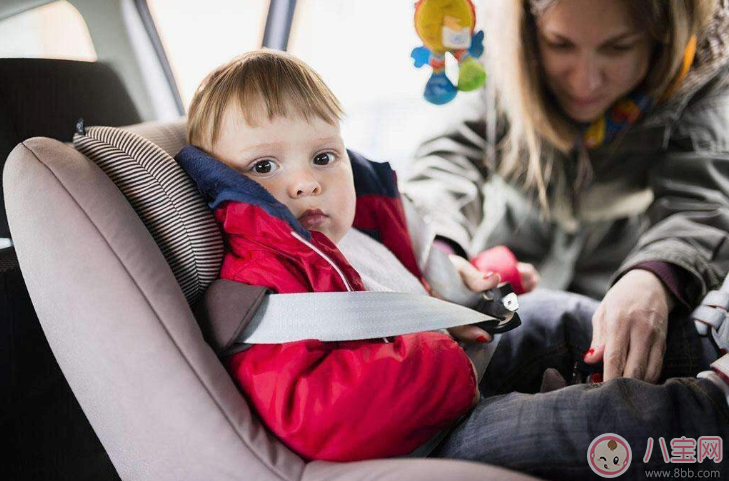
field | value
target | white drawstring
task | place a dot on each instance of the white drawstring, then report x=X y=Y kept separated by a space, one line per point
x=326 y=258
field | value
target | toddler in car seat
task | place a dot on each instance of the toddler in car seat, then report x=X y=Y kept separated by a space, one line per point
x=266 y=149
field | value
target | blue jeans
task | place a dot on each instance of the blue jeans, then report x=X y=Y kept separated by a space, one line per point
x=548 y=435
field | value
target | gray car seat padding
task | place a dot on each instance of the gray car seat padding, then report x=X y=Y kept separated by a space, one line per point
x=122 y=331
x=168 y=136
x=166 y=200
x=124 y=335
x=415 y=469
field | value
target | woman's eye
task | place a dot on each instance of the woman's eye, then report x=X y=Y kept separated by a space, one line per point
x=560 y=45
x=264 y=167
x=622 y=48
x=325 y=158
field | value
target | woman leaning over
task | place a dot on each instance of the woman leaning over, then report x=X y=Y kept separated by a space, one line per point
x=607 y=167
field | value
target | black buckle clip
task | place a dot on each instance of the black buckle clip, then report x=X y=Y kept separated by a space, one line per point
x=502 y=304
x=583 y=373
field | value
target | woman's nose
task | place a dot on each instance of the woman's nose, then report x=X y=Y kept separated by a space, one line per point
x=586 y=77
x=304 y=184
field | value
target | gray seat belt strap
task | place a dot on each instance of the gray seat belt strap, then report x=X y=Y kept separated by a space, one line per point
x=345 y=316
x=710 y=316
x=437 y=269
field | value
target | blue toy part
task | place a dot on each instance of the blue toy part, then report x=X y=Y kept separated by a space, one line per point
x=421 y=55
x=439 y=90
x=476 y=49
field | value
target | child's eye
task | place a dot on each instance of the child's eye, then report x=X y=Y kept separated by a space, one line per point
x=324 y=158
x=264 y=167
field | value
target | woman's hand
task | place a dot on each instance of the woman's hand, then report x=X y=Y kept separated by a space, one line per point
x=477 y=281
x=529 y=276
x=629 y=327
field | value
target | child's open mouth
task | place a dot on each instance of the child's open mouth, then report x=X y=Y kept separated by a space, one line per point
x=313 y=218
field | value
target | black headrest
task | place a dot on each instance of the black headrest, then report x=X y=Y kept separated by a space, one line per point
x=43 y=97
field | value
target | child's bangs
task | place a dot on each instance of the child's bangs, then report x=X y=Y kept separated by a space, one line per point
x=284 y=89
x=259 y=85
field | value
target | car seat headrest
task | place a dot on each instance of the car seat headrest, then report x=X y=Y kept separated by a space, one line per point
x=44 y=97
x=166 y=200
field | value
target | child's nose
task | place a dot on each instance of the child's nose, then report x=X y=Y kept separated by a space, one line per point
x=304 y=185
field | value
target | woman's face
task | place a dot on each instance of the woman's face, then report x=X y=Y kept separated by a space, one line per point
x=592 y=54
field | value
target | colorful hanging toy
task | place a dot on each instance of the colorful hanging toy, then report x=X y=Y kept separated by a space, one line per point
x=448 y=26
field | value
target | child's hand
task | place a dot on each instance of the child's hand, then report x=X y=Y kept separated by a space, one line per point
x=474 y=279
x=477 y=281
x=529 y=276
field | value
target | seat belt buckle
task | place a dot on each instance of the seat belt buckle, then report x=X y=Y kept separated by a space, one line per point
x=502 y=304
x=583 y=373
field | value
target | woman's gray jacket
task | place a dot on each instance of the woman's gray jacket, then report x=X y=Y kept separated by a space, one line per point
x=658 y=193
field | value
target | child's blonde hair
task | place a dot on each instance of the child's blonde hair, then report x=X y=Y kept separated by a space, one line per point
x=264 y=80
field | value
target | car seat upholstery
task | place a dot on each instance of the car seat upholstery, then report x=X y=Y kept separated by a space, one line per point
x=125 y=336
x=45 y=97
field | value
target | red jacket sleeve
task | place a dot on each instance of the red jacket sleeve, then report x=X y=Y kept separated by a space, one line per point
x=348 y=401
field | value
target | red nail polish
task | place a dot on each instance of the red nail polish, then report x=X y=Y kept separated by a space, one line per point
x=596 y=378
x=589 y=353
x=482 y=339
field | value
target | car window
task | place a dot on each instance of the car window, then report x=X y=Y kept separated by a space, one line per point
x=55 y=30
x=362 y=51
x=199 y=36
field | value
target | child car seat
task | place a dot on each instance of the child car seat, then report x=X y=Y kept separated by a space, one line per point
x=44 y=97
x=125 y=336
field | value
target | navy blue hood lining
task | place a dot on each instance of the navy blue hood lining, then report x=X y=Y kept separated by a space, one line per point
x=219 y=183
x=372 y=178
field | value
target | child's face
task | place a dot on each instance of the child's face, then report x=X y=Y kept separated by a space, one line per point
x=304 y=165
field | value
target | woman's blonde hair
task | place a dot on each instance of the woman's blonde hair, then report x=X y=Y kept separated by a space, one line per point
x=262 y=81
x=537 y=126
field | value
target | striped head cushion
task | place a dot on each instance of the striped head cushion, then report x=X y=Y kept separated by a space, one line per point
x=166 y=200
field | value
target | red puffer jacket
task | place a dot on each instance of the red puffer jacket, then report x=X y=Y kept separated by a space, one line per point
x=334 y=401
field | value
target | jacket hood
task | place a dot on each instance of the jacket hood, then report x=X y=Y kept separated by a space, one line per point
x=219 y=183
x=710 y=61
x=712 y=52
